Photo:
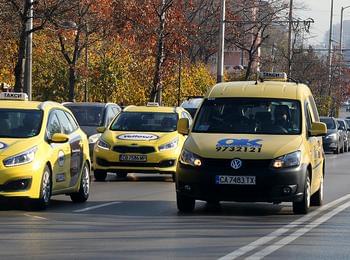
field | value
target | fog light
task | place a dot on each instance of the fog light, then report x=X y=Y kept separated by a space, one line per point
x=287 y=190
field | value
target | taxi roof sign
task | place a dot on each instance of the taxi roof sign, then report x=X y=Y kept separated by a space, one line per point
x=13 y=96
x=153 y=104
x=274 y=76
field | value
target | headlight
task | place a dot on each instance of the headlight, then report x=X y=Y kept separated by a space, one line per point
x=20 y=159
x=103 y=145
x=288 y=160
x=170 y=145
x=331 y=136
x=93 y=139
x=189 y=158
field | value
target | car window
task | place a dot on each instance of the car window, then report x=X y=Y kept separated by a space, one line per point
x=145 y=121
x=314 y=109
x=329 y=122
x=20 y=123
x=53 y=125
x=249 y=116
x=109 y=115
x=87 y=115
x=66 y=124
x=308 y=117
x=72 y=121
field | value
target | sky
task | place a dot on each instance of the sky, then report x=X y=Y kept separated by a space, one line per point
x=319 y=10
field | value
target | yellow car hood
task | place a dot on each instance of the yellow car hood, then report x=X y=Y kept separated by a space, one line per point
x=11 y=146
x=138 y=138
x=271 y=146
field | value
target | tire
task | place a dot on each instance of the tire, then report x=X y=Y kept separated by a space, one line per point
x=122 y=174
x=342 y=149
x=45 y=191
x=185 y=204
x=84 y=189
x=302 y=207
x=317 y=198
x=100 y=175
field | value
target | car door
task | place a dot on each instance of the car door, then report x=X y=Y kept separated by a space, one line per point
x=76 y=147
x=315 y=149
x=61 y=154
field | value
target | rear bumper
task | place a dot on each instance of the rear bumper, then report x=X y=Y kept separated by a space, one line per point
x=270 y=185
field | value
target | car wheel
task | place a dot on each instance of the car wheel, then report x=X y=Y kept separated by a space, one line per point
x=122 y=174
x=45 y=191
x=185 y=204
x=100 y=175
x=84 y=189
x=337 y=150
x=302 y=207
x=317 y=198
x=342 y=149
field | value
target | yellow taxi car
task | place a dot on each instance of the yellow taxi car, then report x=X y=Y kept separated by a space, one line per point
x=43 y=151
x=253 y=142
x=141 y=139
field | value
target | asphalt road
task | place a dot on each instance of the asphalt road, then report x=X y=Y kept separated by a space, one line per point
x=136 y=218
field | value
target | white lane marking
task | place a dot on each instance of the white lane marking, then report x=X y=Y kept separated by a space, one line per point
x=96 y=207
x=37 y=217
x=279 y=232
x=288 y=239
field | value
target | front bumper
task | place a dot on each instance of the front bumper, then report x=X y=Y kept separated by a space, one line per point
x=21 y=181
x=330 y=145
x=157 y=162
x=200 y=183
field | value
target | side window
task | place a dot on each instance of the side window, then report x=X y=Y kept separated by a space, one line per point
x=314 y=109
x=308 y=117
x=72 y=121
x=53 y=125
x=66 y=124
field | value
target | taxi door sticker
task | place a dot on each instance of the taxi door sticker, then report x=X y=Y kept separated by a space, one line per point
x=239 y=145
x=2 y=146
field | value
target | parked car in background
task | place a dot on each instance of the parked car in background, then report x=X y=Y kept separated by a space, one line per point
x=334 y=140
x=92 y=115
x=192 y=104
x=344 y=128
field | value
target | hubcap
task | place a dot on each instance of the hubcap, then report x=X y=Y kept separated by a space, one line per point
x=86 y=181
x=46 y=189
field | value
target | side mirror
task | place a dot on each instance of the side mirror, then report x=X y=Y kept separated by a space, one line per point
x=59 y=138
x=183 y=126
x=101 y=129
x=318 y=129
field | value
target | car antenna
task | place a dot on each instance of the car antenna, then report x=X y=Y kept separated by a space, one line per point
x=290 y=79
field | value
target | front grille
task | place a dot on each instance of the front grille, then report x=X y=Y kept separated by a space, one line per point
x=134 y=149
x=162 y=164
x=225 y=165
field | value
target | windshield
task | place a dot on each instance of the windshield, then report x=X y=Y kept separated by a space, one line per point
x=20 y=123
x=249 y=116
x=145 y=121
x=329 y=122
x=88 y=115
x=341 y=123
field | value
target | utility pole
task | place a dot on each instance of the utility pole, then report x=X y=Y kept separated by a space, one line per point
x=29 y=47
x=330 y=50
x=290 y=21
x=341 y=28
x=221 y=51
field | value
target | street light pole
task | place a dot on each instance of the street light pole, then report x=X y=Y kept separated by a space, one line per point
x=341 y=28
x=86 y=63
x=290 y=38
x=330 y=50
x=29 y=48
x=221 y=51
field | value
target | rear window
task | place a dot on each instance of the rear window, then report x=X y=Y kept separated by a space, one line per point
x=329 y=122
x=88 y=115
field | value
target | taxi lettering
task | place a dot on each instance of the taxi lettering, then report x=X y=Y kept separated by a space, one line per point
x=239 y=145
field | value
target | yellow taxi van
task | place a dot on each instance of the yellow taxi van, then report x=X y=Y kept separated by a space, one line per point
x=253 y=142
x=43 y=151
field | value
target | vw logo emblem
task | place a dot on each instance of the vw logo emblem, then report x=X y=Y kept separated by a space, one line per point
x=236 y=164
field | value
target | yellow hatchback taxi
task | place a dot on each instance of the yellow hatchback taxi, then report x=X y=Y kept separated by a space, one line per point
x=43 y=152
x=253 y=142
x=141 y=139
